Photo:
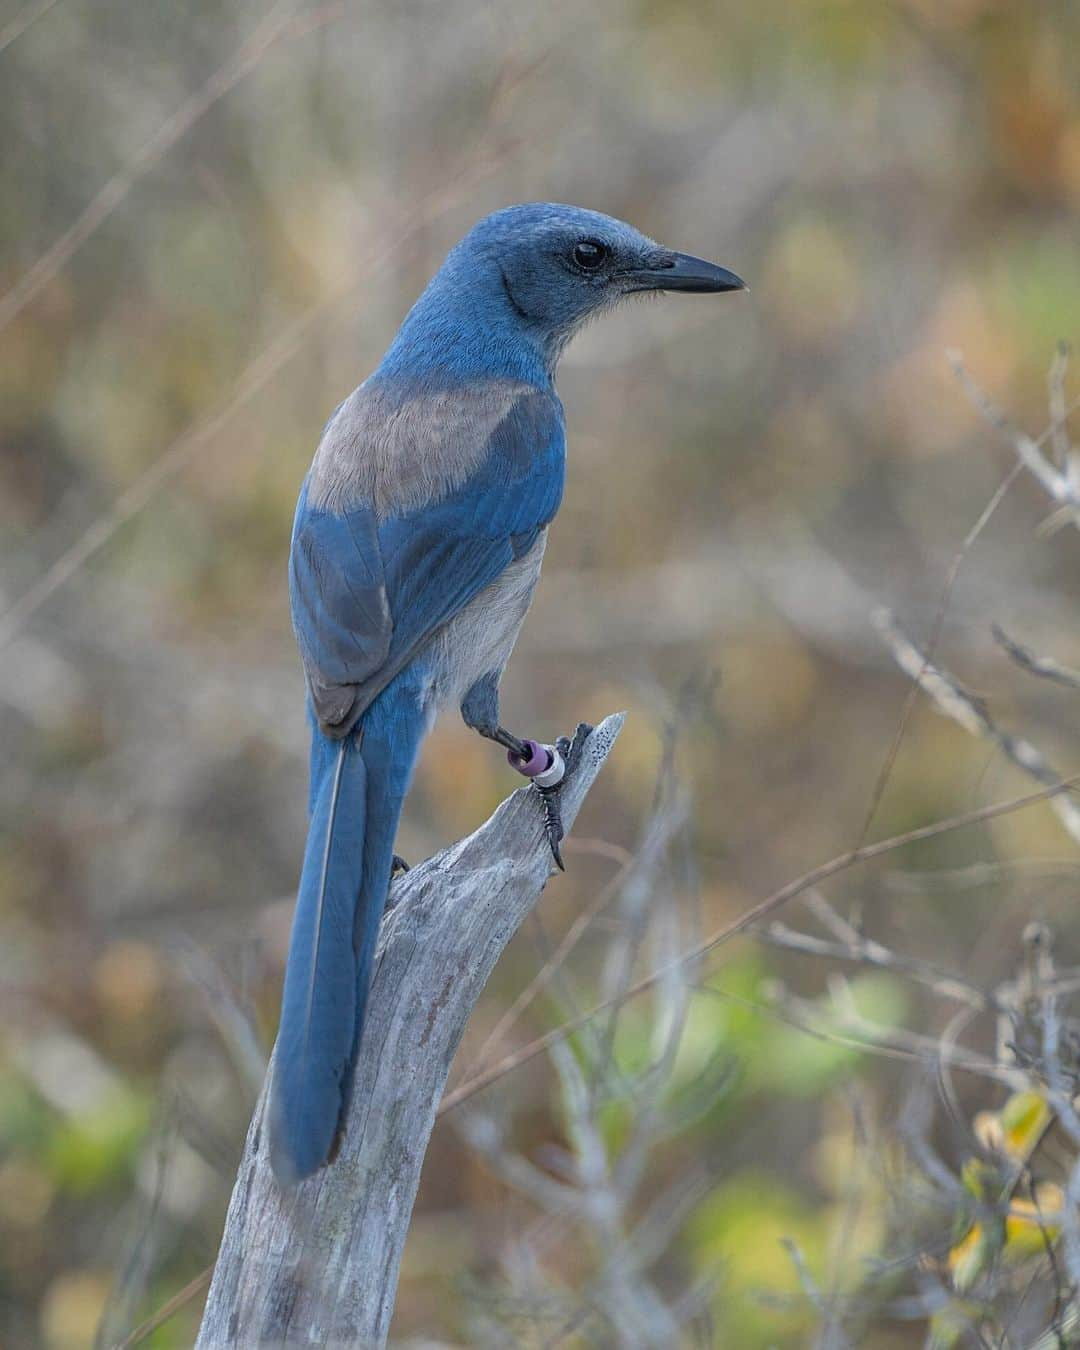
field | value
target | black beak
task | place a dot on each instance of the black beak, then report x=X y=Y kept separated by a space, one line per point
x=681 y=272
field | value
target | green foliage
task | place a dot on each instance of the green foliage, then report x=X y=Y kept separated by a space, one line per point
x=739 y=1234
x=97 y=1149
x=809 y=1066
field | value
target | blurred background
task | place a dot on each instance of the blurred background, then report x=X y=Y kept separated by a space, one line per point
x=212 y=218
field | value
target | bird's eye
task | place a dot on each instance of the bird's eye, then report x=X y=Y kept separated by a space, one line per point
x=589 y=254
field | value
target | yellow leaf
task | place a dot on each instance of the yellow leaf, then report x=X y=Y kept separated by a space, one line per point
x=972 y=1257
x=1024 y=1118
x=1032 y=1226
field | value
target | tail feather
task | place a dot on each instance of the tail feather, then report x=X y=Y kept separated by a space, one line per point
x=357 y=789
x=319 y=1002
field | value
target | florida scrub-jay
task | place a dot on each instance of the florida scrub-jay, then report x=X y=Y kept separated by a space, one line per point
x=416 y=547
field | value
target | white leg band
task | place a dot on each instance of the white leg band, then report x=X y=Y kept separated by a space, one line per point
x=554 y=773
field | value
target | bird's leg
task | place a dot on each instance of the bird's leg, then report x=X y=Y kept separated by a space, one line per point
x=545 y=765
x=480 y=710
x=398 y=865
x=512 y=744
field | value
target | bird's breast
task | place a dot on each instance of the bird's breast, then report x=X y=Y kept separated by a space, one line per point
x=480 y=638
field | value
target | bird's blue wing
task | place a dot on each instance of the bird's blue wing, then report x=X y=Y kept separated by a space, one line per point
x=339 y=605
x=368 y=594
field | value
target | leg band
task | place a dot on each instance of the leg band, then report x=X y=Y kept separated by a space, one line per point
x=545 y=766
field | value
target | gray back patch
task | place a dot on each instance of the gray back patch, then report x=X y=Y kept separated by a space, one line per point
x=398 y=449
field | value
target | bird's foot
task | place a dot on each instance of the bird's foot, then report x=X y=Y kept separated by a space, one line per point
x=553 y=826
x=398 y=868
x=547 y=766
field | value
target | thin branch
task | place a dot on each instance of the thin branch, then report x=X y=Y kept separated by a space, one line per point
x=27 y=16
x=168 y=1310
x=843 y=1024
x=979 y=874
x=935 y=638
x=802 y=1270
x=873 y=954
x=971 y=713
x=1029 y=452
x=1062 y=446
x=1043 y=666
x=550 y=968
x=224 y=79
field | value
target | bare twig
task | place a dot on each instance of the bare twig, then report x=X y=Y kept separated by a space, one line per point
x=225 y=78
x=953 y=574
x=979 y=874
x=1054 y=481
x=971 y=713
x=1043 y=666
x=866 y=952
x=28 y=15
x=843 y=1024
x=168 y=1310
x=551 y=966
x=1062 y=446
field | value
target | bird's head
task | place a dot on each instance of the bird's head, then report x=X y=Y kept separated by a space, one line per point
x=556 y=266
x=520 y=284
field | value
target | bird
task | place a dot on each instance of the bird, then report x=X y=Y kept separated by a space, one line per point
x=416 y=547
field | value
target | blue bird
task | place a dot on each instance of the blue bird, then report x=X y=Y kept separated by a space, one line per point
x=416 y=547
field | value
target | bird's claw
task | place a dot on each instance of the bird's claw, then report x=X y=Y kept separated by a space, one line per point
x=398 y=865
x=553 y=826
x=569 y=751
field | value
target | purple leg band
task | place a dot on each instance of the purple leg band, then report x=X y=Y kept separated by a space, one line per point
x=538 y=760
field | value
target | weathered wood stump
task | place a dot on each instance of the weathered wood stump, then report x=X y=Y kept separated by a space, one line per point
x=319 y=1265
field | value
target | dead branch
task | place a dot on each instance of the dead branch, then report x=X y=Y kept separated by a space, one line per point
x=319 y=1266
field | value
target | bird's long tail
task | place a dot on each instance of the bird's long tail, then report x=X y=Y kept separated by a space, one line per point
x=357 y=788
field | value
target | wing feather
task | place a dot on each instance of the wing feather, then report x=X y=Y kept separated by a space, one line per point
x=369 y=594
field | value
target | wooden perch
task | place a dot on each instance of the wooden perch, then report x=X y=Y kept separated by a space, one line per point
x=319 y=1265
